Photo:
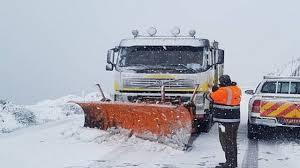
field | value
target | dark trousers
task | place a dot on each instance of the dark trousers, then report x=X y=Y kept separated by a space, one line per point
x=228 y=141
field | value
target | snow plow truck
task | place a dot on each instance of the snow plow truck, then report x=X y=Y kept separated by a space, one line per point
x=159 y=86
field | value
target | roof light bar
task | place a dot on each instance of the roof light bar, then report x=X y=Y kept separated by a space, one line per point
x=280 y=77
x=175 y=31
x=135 y=33
x=152 y=31
x=192 y=33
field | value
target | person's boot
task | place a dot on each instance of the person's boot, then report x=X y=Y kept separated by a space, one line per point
x=226 y=165
x=222 y=163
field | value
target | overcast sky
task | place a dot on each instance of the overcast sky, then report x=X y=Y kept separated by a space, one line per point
x=58 y=47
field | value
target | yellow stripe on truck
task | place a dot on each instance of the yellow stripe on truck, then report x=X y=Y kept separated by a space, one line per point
x=161 y=76
x=267 y=106
x=116 y=86
x=297 y=113
x=292 y=114
x=280 y=109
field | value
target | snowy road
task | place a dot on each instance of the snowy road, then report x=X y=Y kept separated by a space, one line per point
x=65 y=144
x=44 y=146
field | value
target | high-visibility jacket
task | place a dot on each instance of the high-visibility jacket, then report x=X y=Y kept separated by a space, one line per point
x=226 y=104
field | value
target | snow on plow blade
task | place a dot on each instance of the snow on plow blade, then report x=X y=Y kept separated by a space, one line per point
x=157 y=122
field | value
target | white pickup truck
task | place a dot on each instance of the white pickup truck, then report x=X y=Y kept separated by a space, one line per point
x=275 y=103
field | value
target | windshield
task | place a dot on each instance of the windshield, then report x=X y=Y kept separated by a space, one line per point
x=178 y=58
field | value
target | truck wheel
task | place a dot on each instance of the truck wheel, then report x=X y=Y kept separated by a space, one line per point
x=205 y=126
x=87 y=122
x=253 y=131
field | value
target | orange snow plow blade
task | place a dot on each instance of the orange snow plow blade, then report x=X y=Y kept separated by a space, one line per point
x=149 y=121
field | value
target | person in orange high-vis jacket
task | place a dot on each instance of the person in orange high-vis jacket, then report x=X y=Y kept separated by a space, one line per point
x=226 y=111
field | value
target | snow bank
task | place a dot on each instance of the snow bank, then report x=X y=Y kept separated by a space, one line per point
x=14 y=116
x=178 y=140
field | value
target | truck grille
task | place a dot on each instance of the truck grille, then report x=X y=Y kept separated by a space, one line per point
x=157 y=83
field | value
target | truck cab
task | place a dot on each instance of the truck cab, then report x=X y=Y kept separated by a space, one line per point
x=143 y=64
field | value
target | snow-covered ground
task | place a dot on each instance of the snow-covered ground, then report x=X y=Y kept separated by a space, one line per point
x=13 y=117
x=55 y=138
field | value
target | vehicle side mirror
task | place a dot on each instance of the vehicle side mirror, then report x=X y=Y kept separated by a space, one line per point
x=110 y=56
x=249 y=92
x=109 y=67
x=220 y=57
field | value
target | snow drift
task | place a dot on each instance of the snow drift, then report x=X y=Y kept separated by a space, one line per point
x=13 y=116
x=117 y=137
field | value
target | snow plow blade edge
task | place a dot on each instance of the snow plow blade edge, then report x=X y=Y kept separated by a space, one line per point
x=148 y=121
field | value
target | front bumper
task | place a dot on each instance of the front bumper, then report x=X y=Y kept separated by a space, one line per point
x=269 y=121
x=200 y=102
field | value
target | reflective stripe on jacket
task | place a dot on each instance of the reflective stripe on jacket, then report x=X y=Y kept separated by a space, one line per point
x=226 y=104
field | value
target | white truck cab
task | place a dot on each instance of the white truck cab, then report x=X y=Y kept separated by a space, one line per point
x=143 y=64
x=275 y=103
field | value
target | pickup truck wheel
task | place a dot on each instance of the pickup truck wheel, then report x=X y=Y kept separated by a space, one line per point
x=253 y=131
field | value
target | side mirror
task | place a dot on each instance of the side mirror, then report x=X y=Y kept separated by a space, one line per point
x=220 y=57
x=109 y=67
x=249 y=92
x=110 y=56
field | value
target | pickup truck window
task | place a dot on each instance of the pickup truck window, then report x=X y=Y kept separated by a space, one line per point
x=283 y=87
x=269 y=87
x=295 y=87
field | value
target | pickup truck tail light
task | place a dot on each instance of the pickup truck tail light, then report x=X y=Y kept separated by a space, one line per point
x=256 y=106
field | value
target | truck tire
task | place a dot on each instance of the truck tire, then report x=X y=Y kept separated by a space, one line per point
x=205 y=126
x=253 y=131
